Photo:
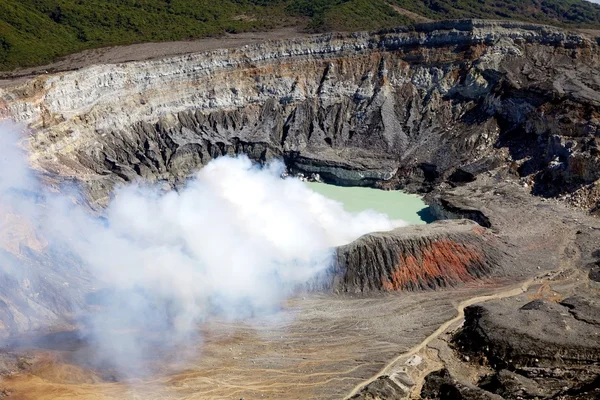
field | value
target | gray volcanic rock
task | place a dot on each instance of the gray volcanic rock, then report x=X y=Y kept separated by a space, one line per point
x=594 y=273
x=441 y=385
x=38 y=290
x=383 y=388
x=447 y=100
x=446 y=207
x=556 y=384
x=533 y=335
x=512 y=385
x=583 y=309
x=540 y=350
x=434 y=107
x=445 y=253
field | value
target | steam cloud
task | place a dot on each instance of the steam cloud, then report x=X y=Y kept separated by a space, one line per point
x=235 y=241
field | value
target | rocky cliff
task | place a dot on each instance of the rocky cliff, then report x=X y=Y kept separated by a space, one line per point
x=404 y=107
x=537 y=350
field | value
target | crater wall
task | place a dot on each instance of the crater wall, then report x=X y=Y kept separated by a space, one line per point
x=402 y=108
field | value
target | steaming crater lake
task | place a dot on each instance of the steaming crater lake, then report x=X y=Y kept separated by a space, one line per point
x=394 y=203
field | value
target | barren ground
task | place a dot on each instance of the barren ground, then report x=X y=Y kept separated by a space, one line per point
x=148 y=51
x=329 y=346
x=317 y=347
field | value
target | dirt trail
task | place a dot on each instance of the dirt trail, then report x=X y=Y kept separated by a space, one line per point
x=461 y=313
x=568 y=255
x=412 y=15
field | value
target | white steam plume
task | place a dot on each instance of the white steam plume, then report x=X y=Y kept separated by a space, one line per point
x=235 y=241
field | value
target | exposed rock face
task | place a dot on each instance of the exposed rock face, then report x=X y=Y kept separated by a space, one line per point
x=384 y=388
x=407 y=107
x=594 y=273
x=443 y=103
x=541 y=349
x=442 y=254
x=534 y=335
x=38 y=290
x=452 y=208
x=441 y=385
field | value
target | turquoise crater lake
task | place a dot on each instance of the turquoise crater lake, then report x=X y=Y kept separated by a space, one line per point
x=394 y=203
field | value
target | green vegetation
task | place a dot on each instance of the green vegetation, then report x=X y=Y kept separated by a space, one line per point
x=34 y=32
x=554 y=12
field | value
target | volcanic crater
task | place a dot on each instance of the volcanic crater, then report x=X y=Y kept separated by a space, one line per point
x=495 y=123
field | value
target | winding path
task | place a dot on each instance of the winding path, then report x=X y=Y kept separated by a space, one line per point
x=522 y=288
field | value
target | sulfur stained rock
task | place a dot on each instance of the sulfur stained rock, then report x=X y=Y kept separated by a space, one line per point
x=446 y=253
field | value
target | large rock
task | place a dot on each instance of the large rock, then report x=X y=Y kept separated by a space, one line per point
x=538 y=334
x=441 y=385
x=540 y=349
x=383 y=388
x=445 y=253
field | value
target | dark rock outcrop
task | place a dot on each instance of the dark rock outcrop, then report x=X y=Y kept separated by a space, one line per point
x=383 y=388
x=441 y=385
x=509 y=384
x=540 y=350
x=594 y=272
x=538 y=334
x=446 y=207
x=439 y=105
x=555 y=384
x=442 y=254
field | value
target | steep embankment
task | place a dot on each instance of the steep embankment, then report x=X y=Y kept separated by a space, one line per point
x=444 y=254
x=406 y=107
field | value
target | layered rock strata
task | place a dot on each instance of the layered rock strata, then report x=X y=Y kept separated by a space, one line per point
x=406 y=106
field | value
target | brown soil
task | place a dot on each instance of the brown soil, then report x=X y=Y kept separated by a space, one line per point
x=318 y=347
x=412 y=15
